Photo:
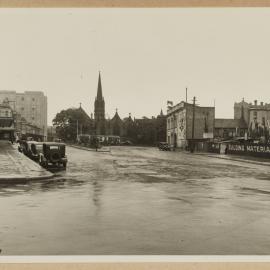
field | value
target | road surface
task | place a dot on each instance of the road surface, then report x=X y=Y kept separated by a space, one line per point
x=140 y=201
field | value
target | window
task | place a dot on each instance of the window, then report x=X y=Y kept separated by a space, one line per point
x=22 y=98
x=6 y=113
x=33 y=118
x=33 y=109
x=255 y=114
x=33 y=99
x=22 y=109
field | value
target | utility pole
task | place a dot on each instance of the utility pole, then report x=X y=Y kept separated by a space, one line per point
x=77 y=130
x=186 y=94
x=193 y=125
x=193 y=117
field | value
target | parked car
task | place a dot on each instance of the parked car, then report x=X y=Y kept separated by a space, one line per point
x=53 y=154
x=126 y=143
x=164 y=146
x=23 y=146
x=34 y=150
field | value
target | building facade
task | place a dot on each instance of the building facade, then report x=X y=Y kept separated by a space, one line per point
x=31 y=106
x=180 y=126
x=230 y=128
x=257 y=117
x=7 y=127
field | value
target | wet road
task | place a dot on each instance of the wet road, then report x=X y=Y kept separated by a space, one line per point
x=140 y=201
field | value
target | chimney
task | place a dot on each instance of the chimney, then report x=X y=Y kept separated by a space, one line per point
x=255 y=102
x=261 y=103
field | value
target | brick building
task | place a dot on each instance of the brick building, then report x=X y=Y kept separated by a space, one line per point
x=180 y=124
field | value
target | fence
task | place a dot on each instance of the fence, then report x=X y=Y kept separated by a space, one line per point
x=248 y=149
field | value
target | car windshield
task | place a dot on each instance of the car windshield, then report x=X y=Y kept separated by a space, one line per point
x=39 y=146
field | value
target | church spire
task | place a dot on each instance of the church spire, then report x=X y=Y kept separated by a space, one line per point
x=99 y=90
x=99 y=112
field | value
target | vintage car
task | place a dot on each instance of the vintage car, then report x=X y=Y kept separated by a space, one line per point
x=34 y=150
x=164 y=146
x=126 y=143
x=53 y=154
x=23 y=146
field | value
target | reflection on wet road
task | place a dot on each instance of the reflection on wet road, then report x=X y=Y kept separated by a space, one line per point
x=139 y=201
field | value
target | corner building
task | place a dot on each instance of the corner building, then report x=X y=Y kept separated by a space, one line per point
x=179 y=124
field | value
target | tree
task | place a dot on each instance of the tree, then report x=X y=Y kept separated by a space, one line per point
x=67 y=122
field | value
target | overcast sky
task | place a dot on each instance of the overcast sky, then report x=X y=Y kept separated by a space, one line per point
x=146 y=57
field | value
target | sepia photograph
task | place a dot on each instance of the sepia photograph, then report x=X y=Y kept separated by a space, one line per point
x=134 y=131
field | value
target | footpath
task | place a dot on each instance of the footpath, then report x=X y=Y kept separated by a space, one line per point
x=246 y=159
x=15 y=167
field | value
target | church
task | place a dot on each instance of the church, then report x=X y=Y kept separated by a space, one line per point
x=139 y=131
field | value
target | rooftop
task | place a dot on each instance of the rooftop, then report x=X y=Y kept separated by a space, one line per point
x=230 y=123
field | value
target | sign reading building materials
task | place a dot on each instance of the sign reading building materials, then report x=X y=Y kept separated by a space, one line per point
x=260 y=150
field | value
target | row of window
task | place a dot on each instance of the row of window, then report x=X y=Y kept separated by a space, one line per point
x=22 y=99
x=22 y=108
x=6 y=113
x=255 y=115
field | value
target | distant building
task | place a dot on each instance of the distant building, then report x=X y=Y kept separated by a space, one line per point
x=179 y=124
x=52 y=135
x=251 y=120
x=257 y=117
x=7 y=127
x=140 y=131
x=230 y=128
x=24 y=129
x=115 y=126
x=30 y=105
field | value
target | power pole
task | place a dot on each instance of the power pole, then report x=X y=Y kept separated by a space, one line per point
x=193 y=125
x=193 y=117
x=186 y=94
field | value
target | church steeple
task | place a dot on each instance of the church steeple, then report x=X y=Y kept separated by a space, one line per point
x=99 y=102
x=99 y=90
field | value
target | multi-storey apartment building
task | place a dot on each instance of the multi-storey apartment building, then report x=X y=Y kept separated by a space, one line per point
x=31 y=105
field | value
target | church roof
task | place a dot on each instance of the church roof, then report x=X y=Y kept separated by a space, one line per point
x=116 y=117
x=84 y=113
